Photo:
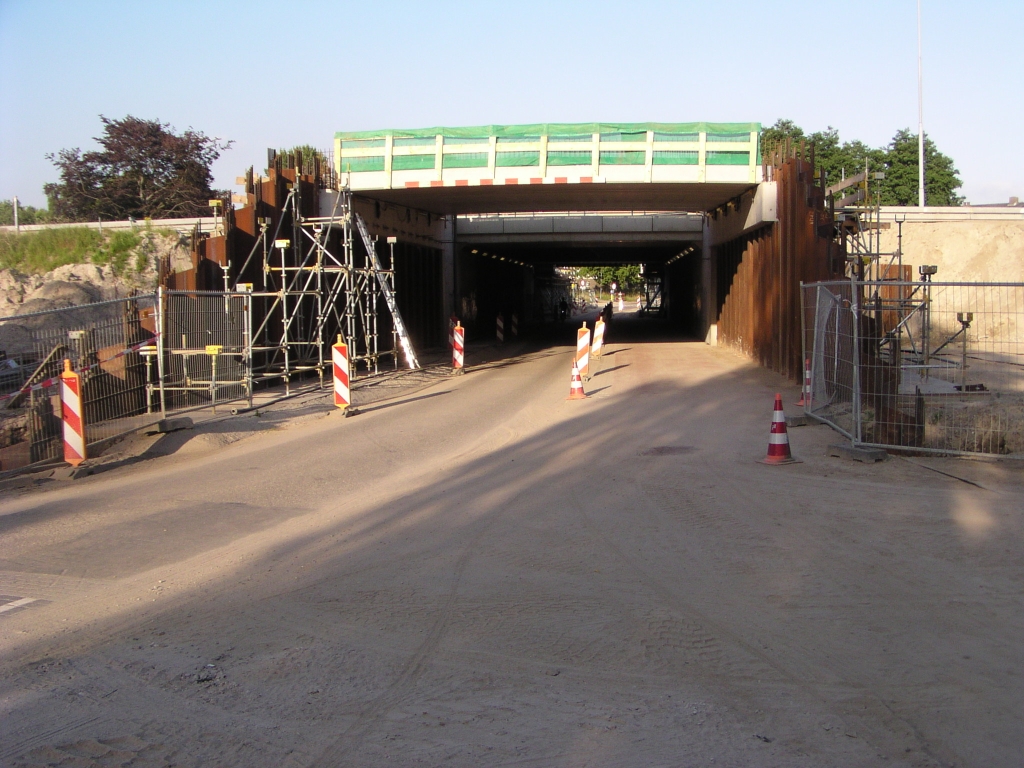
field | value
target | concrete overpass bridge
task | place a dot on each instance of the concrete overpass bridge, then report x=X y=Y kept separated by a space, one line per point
x=554 y=167
x=476 y=219
x=669 y=196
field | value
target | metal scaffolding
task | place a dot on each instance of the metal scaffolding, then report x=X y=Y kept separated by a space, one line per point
x=318 y=283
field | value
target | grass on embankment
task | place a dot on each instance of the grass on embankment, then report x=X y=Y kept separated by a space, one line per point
x=45 y=250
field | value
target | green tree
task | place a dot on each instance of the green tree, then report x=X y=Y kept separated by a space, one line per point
x=837 y=160
x=26 y=214
x=625 y=276
x=144 y=169
x=777 y=134
x=900 y=187
x=305 y=156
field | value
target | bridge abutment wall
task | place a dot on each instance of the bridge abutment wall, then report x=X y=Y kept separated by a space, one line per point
x=754 y=265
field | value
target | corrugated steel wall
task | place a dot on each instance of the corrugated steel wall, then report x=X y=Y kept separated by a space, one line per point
x=759 y=274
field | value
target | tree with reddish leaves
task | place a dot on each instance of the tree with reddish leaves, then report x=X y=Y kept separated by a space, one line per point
x=143 y=169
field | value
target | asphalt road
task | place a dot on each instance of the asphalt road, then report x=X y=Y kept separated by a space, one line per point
x=479 y=572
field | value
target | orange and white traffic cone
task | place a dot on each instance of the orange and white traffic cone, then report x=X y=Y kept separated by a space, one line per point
x=778 y=439
x=576 y=387
x=805 y=393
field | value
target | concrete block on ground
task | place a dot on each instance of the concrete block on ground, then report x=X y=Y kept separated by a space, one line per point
x=173 y=425
x=853 y=453
x=796 y=421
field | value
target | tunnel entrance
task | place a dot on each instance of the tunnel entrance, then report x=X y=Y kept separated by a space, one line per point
x=531 y=280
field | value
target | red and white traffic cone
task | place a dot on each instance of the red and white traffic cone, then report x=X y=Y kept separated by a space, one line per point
x=459 y=348
x=805 y=393
x=342 y=392
x=778 y=438
x=72 y=416
x=582 y=360
x=576 y=386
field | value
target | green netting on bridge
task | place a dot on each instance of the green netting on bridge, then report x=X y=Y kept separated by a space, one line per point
x=565 y=132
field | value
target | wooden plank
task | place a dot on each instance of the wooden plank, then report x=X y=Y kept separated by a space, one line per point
x=846 y=183
x=856 y=197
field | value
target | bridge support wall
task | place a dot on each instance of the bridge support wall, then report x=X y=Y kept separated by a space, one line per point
x=758 y=264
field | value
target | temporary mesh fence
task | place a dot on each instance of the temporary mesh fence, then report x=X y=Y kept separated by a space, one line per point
x=110 y=344
x=206 y=349
x=921 y=366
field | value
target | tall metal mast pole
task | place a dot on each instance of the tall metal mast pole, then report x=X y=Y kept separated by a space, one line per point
x=920 y=116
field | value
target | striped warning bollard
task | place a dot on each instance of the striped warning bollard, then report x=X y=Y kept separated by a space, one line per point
x=515 y=325
x=805 y=392
x=342 y=391
x=501 y=328
x=458 y=348
x=582 y=358
x=596 y=350
x=71 y=414
x=452 y=322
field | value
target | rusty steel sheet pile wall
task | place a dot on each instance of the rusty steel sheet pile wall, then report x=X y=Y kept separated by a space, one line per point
x=759 y=274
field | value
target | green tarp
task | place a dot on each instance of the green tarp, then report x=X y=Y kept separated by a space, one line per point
x=727 y=158
x=555 y=131
x=362 y=164
x=676 y=158
x=465 y=160
x=624 y=158
x=516 y=159
x=559 y=157
x=413 y=162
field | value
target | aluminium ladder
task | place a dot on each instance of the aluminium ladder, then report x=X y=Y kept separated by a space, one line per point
x=389 y=295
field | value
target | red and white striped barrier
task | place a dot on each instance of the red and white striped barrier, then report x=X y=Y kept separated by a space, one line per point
x=501 y=328
x=805 y=392
x=514 y=181
x=598 y=346
x=452 y=322
x=582 y=359
x=459 y=347
x=515 y=325
x=72 y=416
x=778 y=438
x=342 y=393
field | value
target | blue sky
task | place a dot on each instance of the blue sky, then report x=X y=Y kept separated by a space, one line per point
x=277 y=74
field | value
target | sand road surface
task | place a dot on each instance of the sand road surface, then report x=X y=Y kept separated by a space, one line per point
x=484 y=574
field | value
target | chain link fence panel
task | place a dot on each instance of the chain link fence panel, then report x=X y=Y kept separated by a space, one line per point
x=925 y=367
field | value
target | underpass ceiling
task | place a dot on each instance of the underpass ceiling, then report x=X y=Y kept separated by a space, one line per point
x=520 y=198
x=602 y=255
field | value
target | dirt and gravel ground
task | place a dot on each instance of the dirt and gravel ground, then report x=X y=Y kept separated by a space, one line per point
x=477 y=572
